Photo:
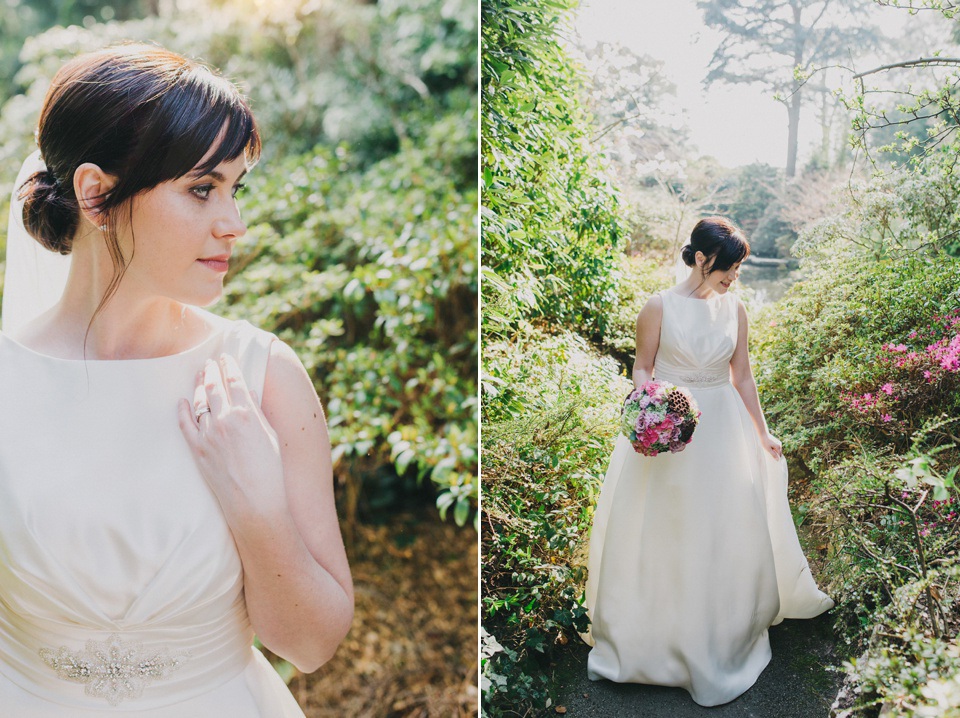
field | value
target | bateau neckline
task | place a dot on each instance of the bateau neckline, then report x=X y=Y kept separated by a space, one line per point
x=698 y=299
x=217 y=331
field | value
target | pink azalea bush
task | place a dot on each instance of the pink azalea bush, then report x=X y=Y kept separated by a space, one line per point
x=915 y=372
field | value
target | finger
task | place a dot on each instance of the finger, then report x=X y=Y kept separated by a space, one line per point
x=213 y=386
x=199 y=396
x=234 y=383
x=188 y=426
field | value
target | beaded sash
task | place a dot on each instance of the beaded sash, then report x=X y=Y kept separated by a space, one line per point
x=697 y=378
x=113 y=669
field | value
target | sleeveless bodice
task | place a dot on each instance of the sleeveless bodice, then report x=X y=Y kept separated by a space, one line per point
x=120 y=582
x=697 y=339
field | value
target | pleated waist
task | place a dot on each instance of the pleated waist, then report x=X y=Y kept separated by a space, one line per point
x=138 y=668
x=701 y=378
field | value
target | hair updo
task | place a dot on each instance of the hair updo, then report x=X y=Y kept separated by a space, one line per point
x=142 y=114
x=46 y=212
x=721 y=242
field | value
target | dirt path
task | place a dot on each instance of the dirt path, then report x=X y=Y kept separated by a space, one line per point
x=796 y=683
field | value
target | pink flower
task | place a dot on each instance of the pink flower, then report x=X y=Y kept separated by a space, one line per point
x=773 y=322
x=926 y=375
x=868 y=396
x=888 y=388
x=913 y=335
x=887 y=417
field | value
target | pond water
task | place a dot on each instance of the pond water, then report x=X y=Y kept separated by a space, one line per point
x=770 y=282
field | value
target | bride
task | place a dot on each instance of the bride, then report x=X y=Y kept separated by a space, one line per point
x=693 y=555
x=165 y=473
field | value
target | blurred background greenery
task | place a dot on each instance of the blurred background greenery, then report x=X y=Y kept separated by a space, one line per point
x=361 y=254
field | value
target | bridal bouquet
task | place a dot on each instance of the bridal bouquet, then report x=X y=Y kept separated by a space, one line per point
x=659 y=416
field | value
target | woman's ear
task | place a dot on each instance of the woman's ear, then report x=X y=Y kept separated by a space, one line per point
x=91 y=184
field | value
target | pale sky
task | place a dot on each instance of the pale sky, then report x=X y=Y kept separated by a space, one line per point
x=737 y=124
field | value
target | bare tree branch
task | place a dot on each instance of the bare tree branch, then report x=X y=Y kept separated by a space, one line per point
x=921 y=62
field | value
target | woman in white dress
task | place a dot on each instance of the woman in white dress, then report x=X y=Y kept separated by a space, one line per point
x=165 y=473
x=693 y=555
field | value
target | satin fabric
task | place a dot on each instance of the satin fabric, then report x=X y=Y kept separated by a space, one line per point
x=694 y=555
x=108 y=528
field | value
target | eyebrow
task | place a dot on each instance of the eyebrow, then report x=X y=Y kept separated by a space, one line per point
x=216 y=175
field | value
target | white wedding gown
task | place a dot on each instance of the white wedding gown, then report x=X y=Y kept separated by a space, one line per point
x=694 y=555
x=121 y=588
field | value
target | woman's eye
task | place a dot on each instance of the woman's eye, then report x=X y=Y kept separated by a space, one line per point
x=203 y=191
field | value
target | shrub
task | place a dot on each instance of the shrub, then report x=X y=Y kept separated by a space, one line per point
x=549 y=409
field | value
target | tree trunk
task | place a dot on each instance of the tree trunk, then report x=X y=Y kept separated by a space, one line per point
x=793 y=109
x=793 y=126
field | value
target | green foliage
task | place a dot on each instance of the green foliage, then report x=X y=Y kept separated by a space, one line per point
x=22 y=19
x=888 y=214
x=828 y=340
x=371 y=276
x=551 y=222
x=639 y=279
x=549 y=409
x=894 y=567
x=858 y=370
x=362 y=216
x=751 y=199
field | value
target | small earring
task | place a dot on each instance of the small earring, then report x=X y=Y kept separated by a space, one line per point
x=103 y=228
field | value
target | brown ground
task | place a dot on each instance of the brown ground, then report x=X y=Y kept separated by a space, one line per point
x=412 y=650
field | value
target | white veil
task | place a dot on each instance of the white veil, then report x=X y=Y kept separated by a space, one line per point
x=34 y=277
x=680 y=269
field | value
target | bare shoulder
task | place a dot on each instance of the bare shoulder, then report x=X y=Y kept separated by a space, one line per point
x=283 y=361
x=288 y=392
x=742 y=312
x=652 y=310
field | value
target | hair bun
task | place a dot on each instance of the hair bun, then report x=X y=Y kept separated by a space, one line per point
x=48 y=215
x=688 y=256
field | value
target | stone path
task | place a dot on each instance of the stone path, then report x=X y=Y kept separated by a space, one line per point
x=796 y=683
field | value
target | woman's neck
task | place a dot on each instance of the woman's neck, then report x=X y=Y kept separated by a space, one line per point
x=133 y=324
x=694 y=287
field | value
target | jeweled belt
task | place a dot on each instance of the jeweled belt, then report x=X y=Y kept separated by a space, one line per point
x=114 y=669
x=144 y=666
x=698 y=378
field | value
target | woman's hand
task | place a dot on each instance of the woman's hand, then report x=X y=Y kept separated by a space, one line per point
x=274 y=480
x=773 y=445
x=235 y=446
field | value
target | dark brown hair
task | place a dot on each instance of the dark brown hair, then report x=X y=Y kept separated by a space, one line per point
x=142 y=114
x=720 y=240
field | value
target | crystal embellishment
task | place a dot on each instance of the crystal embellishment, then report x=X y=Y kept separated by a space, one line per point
x=705 y=377
x=114 y=669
